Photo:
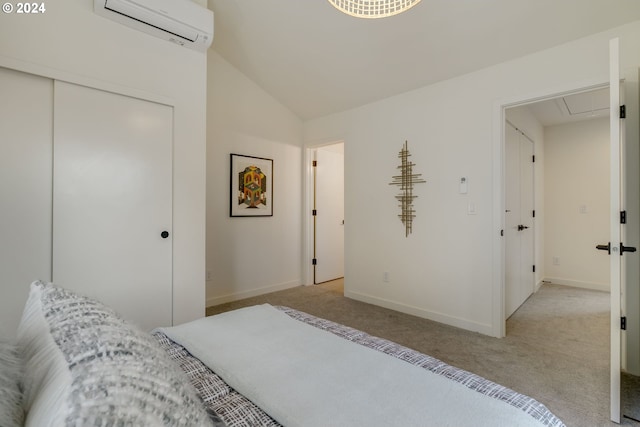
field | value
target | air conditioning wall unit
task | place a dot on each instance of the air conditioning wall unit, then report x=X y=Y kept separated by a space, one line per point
x=179 y=21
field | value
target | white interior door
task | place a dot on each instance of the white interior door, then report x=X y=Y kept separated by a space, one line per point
x=26 y=114
x=519 y=252
x=615 y=227
x=513 y=261
x=329 y=220
x=112 y=190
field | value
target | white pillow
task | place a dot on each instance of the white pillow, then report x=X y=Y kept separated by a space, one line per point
x=11 y=411
x=86 y=366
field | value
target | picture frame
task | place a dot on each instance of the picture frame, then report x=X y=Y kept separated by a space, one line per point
x=251 y=192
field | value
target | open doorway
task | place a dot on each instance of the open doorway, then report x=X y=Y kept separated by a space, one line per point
x=572 y=206
x=565 y=141
x=327 y=210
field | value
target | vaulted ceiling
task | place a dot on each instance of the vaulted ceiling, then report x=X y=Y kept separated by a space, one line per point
x=317 y=61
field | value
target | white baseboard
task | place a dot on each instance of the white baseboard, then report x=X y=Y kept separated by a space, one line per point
x=426 y=314
x=250 y=293
x=604 y=287
x=538 y=285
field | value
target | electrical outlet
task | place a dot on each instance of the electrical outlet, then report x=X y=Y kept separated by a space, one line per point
x=385 y=277
x=556 y=260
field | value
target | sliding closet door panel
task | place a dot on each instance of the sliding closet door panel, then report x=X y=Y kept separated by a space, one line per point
x=513 y=261
x=519 y=226
x=25 y=190
x=113 y=201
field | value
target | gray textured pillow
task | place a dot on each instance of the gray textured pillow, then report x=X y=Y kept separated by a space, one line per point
x=87 y=367
x=11 y=411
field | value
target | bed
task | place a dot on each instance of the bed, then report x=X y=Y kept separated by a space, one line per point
x=259 y=366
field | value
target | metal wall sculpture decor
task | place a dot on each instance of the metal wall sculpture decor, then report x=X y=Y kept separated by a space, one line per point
x=406 y=180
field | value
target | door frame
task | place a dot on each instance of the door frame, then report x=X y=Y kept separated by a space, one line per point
x=307 y=206
x=499 y=190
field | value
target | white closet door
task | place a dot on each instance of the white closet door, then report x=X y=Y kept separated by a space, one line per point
x=112 y=192
x=26 y=111
x=519 y=244
x=513 y=261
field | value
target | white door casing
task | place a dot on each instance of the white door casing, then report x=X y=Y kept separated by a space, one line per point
x=615 y=227
x=329 y=220
x=112 y=191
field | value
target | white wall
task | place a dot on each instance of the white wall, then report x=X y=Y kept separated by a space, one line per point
x=577 y=203
x=449 y=268
x=70 y=42
x=523 y=119
x=251 y=256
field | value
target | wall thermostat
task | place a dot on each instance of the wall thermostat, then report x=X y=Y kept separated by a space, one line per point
x=464 y=185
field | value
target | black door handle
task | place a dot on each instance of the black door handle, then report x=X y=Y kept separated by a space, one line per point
x=624 y=248
x=164 y=234
x=606 y=247
x=522 y=227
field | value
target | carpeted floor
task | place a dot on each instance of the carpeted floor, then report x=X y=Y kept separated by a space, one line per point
x=556 y=349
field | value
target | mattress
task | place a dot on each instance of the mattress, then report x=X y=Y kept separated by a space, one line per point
x=236 y=410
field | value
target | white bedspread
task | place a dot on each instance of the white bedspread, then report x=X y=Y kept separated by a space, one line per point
x=303 y=376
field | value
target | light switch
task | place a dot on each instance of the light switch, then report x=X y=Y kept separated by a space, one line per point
x=471 y=209
x=464 y=185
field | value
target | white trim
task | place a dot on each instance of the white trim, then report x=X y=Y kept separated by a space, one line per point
x=614 y=128
x=458 y=322
x=498 y=328
x=307 y=222
x=65 y=76
x=252 y=293
x=604 y=287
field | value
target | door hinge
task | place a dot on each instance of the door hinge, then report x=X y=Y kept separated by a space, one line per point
x=533 y=158
x=533 y=213
x=314 y=163
x=314 y=261
x=314 y=212
x=534 y=268
x=623 y=217
x=623 y=323
x=623 y=111
x=501 y=233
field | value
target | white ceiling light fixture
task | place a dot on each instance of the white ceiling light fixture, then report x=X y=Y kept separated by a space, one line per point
x=373 y=8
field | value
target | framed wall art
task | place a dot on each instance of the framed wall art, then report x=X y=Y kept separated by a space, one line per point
x=251 y=186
